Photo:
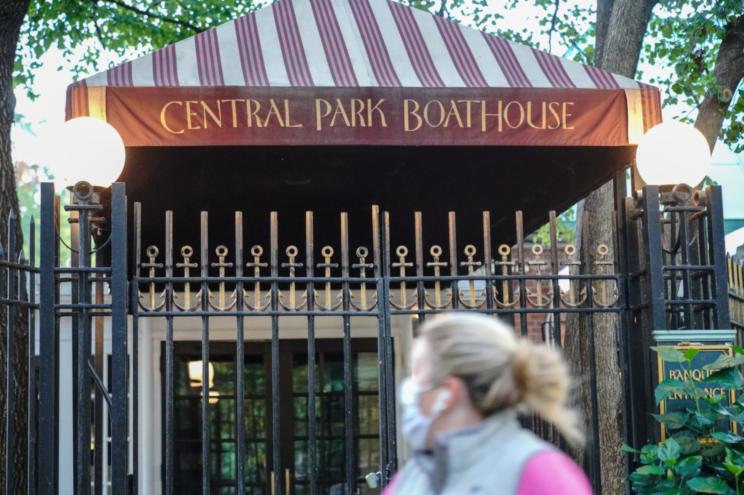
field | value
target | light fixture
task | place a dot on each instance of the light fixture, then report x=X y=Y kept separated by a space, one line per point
x=196 y=376
x=86 y=149
x=673 y=153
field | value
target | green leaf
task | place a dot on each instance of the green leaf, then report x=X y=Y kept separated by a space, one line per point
x=667 y=388
x=725 y=437
x=650 y=470
x=725 y=361
x=733 y=462
x=690 y=354
x=629 y=449
x=669 y=452
x=689 y=466
x=672 y=420
x=669 y=354
x=687 y=441
x=726 y=378
x=710 y=484
x=649 y=454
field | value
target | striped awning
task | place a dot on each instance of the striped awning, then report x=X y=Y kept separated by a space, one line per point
x=361 y=72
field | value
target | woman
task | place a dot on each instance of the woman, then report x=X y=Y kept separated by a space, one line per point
x=470 y=376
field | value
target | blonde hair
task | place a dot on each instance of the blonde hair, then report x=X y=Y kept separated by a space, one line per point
x=502 y=371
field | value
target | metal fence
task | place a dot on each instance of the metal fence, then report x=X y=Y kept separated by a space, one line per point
x=250 y=279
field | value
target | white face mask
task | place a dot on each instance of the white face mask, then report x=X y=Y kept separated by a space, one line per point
x=415 y=424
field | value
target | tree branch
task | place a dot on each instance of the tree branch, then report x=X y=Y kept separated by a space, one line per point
x=553 y=21
x=729 y=71
x=152 y=15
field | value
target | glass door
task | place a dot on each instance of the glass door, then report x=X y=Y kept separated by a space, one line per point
x=330 y=415
x=329 y=410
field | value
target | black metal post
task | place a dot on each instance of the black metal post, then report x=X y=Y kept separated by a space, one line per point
x=119 y=348
x=47 y=466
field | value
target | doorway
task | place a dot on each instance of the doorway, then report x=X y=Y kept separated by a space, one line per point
x=329 y=411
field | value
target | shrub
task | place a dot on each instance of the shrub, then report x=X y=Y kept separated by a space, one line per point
x=701 y=454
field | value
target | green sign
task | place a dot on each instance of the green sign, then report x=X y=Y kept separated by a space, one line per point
x=680 y=371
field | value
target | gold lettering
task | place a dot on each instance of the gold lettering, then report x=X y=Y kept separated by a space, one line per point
x=233 y=109
x=543 y=113
x=287 y=118
x=453 y=111
x=340 y=110
x=468 y=111
x=553 y=109
x=190 y=113
x=566 y=115
x=485 y=115
x=411 y=112
x=319 y=115
x=357 y=107
x=252 y=112
x=375 y=108
x=441 y=113
x=207 y=111
x=509 y=105
x=273 y=111
x=163 y=119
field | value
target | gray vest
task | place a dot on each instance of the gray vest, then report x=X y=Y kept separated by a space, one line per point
x=487 y=459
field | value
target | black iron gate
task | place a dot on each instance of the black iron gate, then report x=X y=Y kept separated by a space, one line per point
x=534 y=282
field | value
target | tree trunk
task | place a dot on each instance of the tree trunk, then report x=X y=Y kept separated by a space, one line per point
x=729 y=71
x=621 y=27
x=12 y=13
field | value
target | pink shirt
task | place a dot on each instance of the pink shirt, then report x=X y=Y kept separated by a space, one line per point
x=548 y=473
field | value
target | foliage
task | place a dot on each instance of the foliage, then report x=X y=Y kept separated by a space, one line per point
x=701 y=455
x=83 y=29
x=685 y=35
x=564 y=227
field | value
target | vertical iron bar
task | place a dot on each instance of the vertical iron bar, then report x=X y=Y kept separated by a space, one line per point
x=83 y=345
x=716 y=234
x=47 y=467
x=452 y=230
x=519 y=221
x=74 y=226
x=239 y=357
x=32 y=392
x=275 y=364
x=593 y=449
x=488 y=259
x=654 y=262
x=311 y=417
x=134 y=310
x=205 y=353
x=119 y=347
x=382 y=303
x=703 y=284
x=670 y=280
x=169 y=359
x=555 y=269
x=348 y=358
x=98 y=411
x=420 y=288
x=10 y=333
x=389 y=353
x=684 y=234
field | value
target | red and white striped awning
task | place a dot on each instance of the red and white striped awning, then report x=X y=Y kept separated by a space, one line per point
x=361 y=72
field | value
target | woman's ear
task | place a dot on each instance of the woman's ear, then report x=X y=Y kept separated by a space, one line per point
x=456 y=391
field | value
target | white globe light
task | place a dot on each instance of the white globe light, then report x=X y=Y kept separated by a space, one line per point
x=86 y=149
x=673 y=153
